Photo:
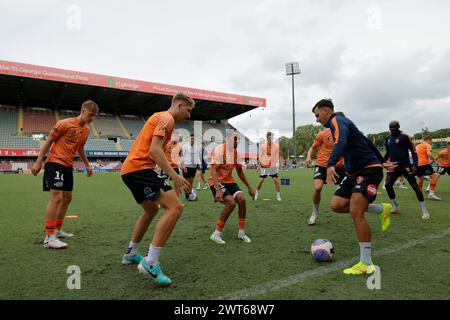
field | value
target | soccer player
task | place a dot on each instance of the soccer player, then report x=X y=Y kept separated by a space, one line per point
x=150 y=188
x=224 y=159
x=425 y=169
x=444 y=161
x=66 y=138
x=190 y=161
x=270 y=158
x=173 y=154
x=201 y=170
x=364 y=166
x=398 y=146
x=324 y=144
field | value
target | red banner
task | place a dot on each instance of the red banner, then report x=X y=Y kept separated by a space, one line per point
x=47 y=73
x=19 y=152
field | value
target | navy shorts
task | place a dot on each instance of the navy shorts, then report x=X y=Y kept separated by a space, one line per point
x=146 y=184
x=228 y=189
x=365 y=181
x=57 y=177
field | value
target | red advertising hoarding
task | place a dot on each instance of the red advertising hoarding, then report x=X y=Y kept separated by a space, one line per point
x=19 y=152
x=47 y=73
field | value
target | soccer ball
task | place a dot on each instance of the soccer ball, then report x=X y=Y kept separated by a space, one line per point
x=322 y=250
x=193 y=196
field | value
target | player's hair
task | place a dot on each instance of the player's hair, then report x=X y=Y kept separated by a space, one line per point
x=90 y=105
x=269 y=134
x=183 y=98
x=340 y=113
x=192 y=135
x=394 y=123
x=427 y=138
x=324 y=103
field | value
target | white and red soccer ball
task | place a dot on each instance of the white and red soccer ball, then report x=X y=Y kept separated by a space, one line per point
x=322 y=250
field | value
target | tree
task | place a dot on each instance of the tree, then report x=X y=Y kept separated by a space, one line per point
x=305 y=136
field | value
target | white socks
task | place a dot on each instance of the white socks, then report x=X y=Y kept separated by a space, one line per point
x=315 y=209
x=394 y=204
x=132 y=248
x=153 y=255
x=422 y=206
x=375 y=208
x=365 y=249
x=256 y=194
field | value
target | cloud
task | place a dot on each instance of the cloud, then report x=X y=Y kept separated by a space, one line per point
x=378 y=60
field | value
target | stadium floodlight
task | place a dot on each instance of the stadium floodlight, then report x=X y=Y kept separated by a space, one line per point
x=292 y=68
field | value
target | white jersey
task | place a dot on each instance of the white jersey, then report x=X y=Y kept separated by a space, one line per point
x=191 y=155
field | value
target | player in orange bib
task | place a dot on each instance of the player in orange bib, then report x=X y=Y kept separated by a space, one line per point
x=67 y=137
x=270 y=159
x=324 y=144
x=150 y=188
x=224 y=159
x=424 y=166
x=444 y=162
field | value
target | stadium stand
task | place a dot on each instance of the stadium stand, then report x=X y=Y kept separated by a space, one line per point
x=15 y=142
x=108 y=126
x=9 y=118
x=37 y=120
x=132 y=124
x=100 y=145
x=126 y=144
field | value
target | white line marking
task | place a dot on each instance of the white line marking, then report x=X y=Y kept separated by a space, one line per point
x=300 y=277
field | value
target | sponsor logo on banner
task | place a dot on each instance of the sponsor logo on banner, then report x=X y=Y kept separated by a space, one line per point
x=372 y=189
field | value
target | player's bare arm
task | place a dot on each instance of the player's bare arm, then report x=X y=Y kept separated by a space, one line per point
x=85 y=161
x=37 y=166
x=243 y=178
x=214 y=171
x=157 y=152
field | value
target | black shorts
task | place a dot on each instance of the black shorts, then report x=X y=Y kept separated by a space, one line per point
x=228 y=189
x=320 y=173
x=365 y=181
x=269 y=171
x=426 y=170
x=443 y=170
x=190 y=173
x=399 y=171
x=57 y=177
x=146 y=184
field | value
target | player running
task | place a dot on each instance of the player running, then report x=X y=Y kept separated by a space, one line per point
x=324 y=144
x=270 y=158
x=224 y=159
x=67 y=137
x=398 y=146
x=364 y=166
x=425 y=169
x=150 y=188
x=444 y=162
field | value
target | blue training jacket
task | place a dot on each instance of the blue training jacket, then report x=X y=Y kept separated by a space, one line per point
x=397 y=147
x=349 y=142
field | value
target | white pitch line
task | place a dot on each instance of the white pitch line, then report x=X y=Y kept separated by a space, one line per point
x=300 y=277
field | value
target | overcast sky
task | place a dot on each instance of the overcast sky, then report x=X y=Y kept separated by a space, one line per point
x=377 y=60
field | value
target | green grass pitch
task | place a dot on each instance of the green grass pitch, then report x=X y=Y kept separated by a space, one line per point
x=280 y=245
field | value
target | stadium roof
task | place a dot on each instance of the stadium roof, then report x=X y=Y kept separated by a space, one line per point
x=38 y=86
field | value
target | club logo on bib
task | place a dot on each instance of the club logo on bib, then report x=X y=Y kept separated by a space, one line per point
x=359 y=180
x=372 y=189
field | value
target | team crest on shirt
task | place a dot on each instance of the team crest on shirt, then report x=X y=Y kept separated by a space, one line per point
x=359 y=180
x=397 y=141
x=372 y=189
